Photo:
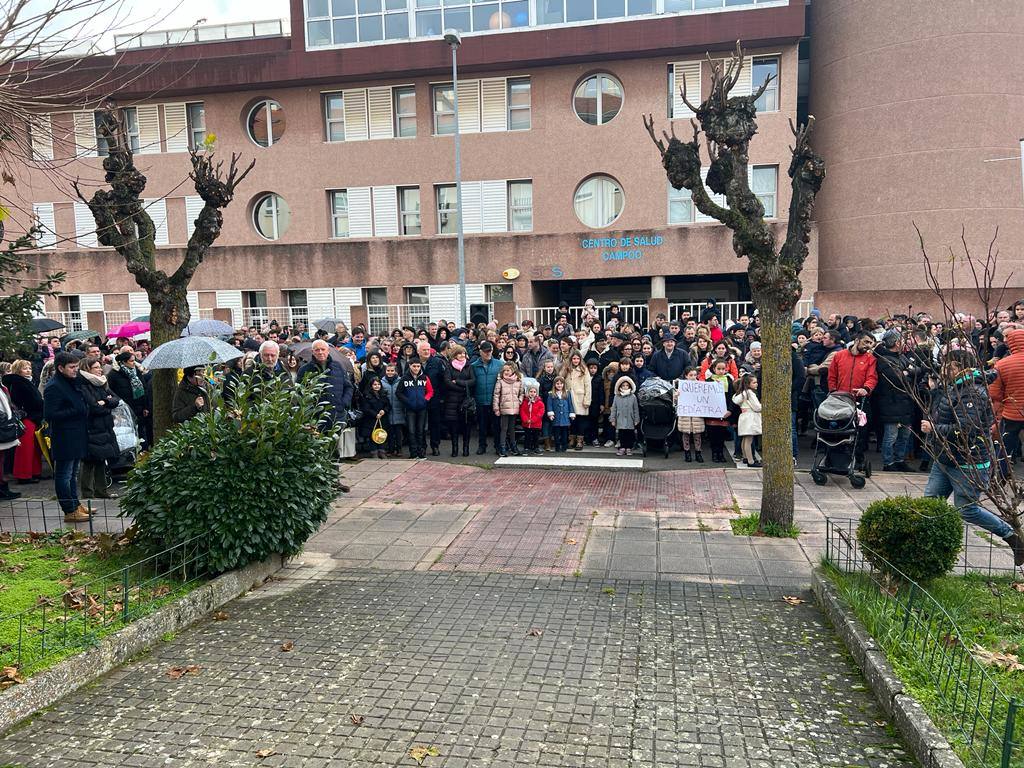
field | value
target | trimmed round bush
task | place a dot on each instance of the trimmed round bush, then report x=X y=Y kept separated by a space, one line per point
x=919 y=538
x=255 y=477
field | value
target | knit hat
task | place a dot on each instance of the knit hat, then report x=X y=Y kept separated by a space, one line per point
x=755 y=345
x=891 y=338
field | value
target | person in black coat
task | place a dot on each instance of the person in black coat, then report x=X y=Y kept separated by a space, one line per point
x=102 y=444
x=669 y=363
x=339 y=387
x=126 y=380
x=375 y=405
x=67 y=414
x=459 y=381
x=893 y=405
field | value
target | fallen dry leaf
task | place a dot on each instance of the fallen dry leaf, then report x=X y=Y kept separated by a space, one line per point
x=1017 y=586
x=1007 y=661
x=356 y=719
x=161 y=591
x=287 y=646
x=534 y=632
x=791 y=600
x=10 y=677
x=570 y=541
x=74 y=599
x=265 y=752
x=220 y=615
x=950 y=641
x=176 y=673
x=419 y=754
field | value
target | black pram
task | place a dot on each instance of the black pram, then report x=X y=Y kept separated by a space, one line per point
x=835 y=449
x=657 y=414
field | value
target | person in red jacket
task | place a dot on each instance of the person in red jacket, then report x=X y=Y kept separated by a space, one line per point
x=531 y=413
x=1007 y=393
x=854 y=370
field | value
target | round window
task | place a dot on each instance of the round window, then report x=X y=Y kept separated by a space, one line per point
x=597 y=99
x=271 y=216
x=266 y=123
x=598 y=201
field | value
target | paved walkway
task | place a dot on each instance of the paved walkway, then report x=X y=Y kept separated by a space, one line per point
x=505 y=618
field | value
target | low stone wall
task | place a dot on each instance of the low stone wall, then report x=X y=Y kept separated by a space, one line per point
x=926 y=742
x=46 y=687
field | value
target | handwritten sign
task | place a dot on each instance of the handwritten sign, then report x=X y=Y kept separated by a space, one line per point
x=700 y=398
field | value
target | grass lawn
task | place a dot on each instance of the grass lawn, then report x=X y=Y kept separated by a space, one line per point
x=934 y=664
x=62 y=591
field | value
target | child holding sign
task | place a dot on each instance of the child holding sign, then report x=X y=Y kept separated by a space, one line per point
x=750 y=417
x=718 y=429
x=691 y=428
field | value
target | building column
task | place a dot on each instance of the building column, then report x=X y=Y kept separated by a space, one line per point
x=657 y=304
x=657 y=286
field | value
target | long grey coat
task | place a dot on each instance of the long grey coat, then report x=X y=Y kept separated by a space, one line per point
x=625 y=410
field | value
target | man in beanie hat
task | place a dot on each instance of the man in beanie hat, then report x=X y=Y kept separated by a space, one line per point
x=668 y=362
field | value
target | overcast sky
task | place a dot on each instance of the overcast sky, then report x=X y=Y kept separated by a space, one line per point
x=187 y=12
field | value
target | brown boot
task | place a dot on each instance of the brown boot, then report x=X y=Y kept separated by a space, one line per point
x=549 y=444
x=80 y=515
x=579 y=442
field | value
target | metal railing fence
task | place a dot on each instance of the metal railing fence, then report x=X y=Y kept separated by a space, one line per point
x=913 y=627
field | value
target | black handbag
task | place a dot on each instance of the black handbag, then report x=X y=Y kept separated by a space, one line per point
x=11 y=429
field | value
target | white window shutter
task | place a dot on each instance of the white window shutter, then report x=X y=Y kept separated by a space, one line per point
x=360 y=214
x=385 y=211
x=157 y=210
x=90 y=302
x=138 y=305
x=382 y=121
x=344 y=300
x=494 y=206
x=494 y=97
x=231 y=300
x=193 y=206
x=85 y=134
x=469 y=106
x=356 y=124
x=475 y=294
x=690 y=70
x=320 y=303
x=41 y=131
x=444 y=301
x=46 y=222
x=743 y=85
x=176 y=128
x=149 y=129
x=472 y=215
x=192 y=299
x=85 y=227
x=719 y=199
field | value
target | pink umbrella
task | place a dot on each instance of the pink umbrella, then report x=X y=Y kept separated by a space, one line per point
x=128 y=330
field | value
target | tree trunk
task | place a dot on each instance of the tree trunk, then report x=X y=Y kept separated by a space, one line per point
x=168 y=315
x=777 y=436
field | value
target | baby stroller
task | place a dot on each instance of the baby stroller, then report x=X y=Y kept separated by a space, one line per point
x=836 y=422
x=657 y=414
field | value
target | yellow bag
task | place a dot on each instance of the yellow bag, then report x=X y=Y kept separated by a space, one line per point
x=379 y=434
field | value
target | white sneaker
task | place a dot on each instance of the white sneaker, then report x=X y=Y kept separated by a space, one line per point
x=629 y=451
x=610 y=444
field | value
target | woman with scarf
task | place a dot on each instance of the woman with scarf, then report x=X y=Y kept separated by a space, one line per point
x=102 y=440
x=26 y=397
x=125 y=381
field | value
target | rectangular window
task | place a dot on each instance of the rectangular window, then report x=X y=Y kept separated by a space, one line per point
x=334 y=114
x=405 y=111
x=447 y=209
x=764 y=181
x=409 y=209
x=680 y=206
x=342 y=22
x=762 y=68
x=130 y=117
x=520 y=206
x=444 y=110
x=419 y=295
x=519 y=104
x=195 y=114
x=339 y=213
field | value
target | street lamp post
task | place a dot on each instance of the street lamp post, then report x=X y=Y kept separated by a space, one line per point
x=453 y=39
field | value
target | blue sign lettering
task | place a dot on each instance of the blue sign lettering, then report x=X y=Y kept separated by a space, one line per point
x=625 y=248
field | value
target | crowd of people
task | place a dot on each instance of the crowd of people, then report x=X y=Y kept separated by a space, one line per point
x=519 y=388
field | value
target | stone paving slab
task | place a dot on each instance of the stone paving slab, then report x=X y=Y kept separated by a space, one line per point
x=492 y=670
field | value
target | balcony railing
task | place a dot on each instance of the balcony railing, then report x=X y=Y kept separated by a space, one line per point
x=630 y=313
x=73 y=321
x=731 y=311
x=263 y=316
x=205 y=34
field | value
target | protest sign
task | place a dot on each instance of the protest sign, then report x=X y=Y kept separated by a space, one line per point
x=701 y=398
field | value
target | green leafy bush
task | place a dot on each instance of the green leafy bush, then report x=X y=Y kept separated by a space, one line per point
x=919 y=537
x=257 y=476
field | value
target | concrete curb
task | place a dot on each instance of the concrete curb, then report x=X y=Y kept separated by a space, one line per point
x=47 y=687
x=929 y=746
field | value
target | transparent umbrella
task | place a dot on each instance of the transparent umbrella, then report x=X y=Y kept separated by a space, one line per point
x=190 y=351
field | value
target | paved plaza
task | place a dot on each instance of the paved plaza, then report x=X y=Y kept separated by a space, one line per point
x=506 y=617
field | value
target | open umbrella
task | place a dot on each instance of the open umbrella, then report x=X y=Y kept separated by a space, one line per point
x=128 y=330
x=141 y=319
x=327 y=324
x=207 y=328
x=44 y=324
x=79 y=335
x=190 y=351
x=304 y=352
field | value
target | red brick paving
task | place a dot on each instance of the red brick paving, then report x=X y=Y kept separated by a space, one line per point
x=536 y=521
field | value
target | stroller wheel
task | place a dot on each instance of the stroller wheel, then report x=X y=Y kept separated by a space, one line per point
x=867 y=469
x=857 y=481
x=666 y=449
x=819 y=477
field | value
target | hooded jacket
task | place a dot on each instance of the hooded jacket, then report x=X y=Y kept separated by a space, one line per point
x=893 y=403
x=625 y=410
x=1007 y=391
x=415 y=391
x=961 y=417
x=102 y=440
x=531 y=414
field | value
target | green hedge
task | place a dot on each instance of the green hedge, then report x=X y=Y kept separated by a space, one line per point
x=920 y=537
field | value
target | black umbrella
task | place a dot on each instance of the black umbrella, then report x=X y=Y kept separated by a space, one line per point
x=44 y=324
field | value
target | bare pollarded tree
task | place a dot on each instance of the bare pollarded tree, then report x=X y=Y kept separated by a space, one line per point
x=123 y=224
x=728 y=124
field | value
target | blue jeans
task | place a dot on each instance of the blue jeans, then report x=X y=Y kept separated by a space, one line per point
x=944 y=480
x=796 y=443
x=895 y=442
x=65 y=483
